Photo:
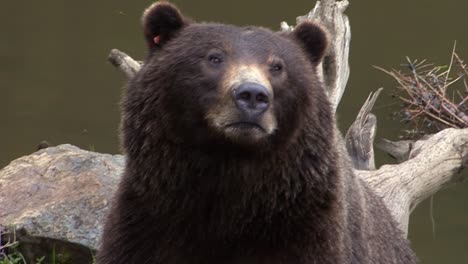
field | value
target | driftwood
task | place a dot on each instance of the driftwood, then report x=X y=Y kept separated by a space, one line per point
x=425 y=166
x=127 y=64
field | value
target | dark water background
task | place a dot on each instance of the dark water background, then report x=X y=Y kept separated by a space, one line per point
x=55 y=83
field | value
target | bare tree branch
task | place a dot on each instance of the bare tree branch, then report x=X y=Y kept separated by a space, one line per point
x=360 y=137
x=125 y=63
x=335 y=67
x=433 y=164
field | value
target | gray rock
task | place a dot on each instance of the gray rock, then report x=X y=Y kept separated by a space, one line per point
x=59 y=194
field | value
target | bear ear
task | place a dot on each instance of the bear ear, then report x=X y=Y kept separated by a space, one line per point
x=313 y=40
x=161 y=21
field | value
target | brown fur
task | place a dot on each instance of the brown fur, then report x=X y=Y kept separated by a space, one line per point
x=191 y=193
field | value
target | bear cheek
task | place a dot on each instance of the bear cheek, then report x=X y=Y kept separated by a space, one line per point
x=289 y=108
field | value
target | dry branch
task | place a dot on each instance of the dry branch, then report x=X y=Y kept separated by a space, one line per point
x=434 y=97
x=432 y=164
x=429 y=164
x=335 y=68
x=124 y=62
x=360 y=137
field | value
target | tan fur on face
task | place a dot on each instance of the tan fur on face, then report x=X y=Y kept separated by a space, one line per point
x=225 y=112
x=239 y=74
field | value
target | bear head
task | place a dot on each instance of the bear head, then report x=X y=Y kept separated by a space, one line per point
x=216 y=85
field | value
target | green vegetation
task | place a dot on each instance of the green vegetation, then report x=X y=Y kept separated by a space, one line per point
x=10 y=252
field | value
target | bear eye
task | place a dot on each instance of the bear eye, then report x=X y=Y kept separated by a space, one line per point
x=215 y=59
x=277 y=67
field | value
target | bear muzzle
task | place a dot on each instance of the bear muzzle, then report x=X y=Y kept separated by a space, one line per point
x=252 y=100
x=244 y=113
x=250 y=118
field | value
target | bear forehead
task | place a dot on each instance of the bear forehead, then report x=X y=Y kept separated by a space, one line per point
x=234 y=38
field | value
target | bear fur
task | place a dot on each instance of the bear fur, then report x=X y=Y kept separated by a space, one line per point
x=233 y=155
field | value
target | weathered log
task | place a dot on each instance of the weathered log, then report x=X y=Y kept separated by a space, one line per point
x=360 y=137
x=121 y=60
x=335 y=68
x=432 y=164
x=429 y=164
x=335 y=64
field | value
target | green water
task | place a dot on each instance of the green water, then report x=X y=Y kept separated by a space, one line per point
x=56 y=85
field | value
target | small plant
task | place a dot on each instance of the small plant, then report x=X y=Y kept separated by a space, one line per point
x=9 y=253
x=40 y=260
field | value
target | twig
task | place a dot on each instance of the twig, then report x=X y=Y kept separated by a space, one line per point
x=426 y=94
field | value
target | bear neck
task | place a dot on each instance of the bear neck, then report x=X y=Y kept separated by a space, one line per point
x=225 y=196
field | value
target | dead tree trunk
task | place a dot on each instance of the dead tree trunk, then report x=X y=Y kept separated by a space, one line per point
x=425 y=166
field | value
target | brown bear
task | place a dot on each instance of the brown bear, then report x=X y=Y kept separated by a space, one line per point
x=233 y=155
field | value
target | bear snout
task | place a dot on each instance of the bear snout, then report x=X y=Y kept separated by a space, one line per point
x=252 y=100
x=243 y=112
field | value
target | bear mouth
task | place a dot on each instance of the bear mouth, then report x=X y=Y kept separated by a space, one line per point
x=246 y=126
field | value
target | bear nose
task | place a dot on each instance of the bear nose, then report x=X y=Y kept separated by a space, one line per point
x=252 y=98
